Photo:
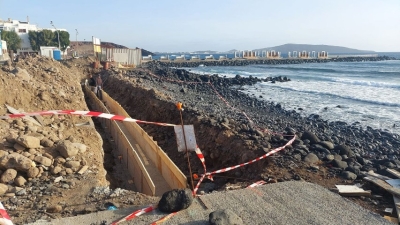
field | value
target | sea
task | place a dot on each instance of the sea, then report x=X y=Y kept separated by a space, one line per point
x=359 y=93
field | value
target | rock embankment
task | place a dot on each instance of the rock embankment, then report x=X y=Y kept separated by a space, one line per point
x=328 y=149
x=244 y=62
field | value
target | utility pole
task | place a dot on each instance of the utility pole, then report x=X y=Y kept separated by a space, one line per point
x=58 y=35
x=76 y=37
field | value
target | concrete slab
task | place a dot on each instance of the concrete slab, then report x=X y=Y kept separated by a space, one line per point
x=292 y=202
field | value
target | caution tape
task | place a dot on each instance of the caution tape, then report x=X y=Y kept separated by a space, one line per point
x=83 y=113
x=135 y=214
x=165 y=218
x=203 y=161
x=209 y=175
x=4 y=217
x=258 y=183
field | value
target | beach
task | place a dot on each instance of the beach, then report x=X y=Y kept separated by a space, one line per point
x=233 y=127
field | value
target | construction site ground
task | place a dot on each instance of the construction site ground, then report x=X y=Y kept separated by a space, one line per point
x=82 y=198
x=293 y=202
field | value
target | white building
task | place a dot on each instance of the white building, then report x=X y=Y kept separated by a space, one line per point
x=22 y=29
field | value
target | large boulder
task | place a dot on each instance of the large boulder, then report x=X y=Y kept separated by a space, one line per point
x=3 y=189
x=67 y=149
x=344 y=150
x=224 y=217
x=310 y=136
x=28 y=141
x=175 y=200
x=339 y=164
x=8 y=176
x=43 y=160
x=311 y=158
x=16 y=161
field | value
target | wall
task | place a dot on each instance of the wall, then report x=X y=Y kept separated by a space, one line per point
x=123 y=56
x=133 y=164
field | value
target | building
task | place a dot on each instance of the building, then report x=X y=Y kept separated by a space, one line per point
x=3 y=51
x=22 y=29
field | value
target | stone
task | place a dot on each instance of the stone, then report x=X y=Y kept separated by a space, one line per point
x=48 y=155
x=20 y=181
x=339 y=164
x=327 y=144
x=8 y=176
x=69 y=171
x=46 y=142
x=55 y=170
x=33 y=172
x=224 y=217
x=54 y=209
x=175 y=200
x=11 y=138
x=329 y=157
x=311 y=158
x=21 y=73
x=3 y=153
x=15 y=161
x=28 y=141
x=344 y=150
x=18 y=147
x=43 y=160
x=348 y=175
x=310 y=136
x=74 y=165
x=3 y=189
x=67 y=149
x=82 y=147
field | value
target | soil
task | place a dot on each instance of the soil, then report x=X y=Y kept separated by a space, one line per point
x=145 y=98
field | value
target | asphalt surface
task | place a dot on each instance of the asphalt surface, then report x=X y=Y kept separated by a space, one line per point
x=293 y=202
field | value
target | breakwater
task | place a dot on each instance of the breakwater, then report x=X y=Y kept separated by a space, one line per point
x=245 y=62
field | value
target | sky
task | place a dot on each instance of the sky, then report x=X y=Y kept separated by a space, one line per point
x=220 y=25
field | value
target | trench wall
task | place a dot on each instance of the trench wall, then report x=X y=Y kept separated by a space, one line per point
x=130 y=158
x=171 y=173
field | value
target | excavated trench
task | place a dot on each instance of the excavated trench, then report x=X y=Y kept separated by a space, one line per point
x=221 y=146
x=116 y=174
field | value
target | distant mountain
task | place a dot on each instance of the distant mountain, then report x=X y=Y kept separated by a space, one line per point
x=318 y=48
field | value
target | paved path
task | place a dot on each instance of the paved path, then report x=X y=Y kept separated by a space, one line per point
x=294 y=202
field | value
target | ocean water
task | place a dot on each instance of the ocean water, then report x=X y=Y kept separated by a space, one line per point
x=364 y=92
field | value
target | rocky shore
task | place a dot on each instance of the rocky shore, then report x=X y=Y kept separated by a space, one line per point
x=324 y=152
x=244 y=62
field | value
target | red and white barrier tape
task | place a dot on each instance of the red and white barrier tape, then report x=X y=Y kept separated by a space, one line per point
x=258 y=183
x=4 y=217
x=209 y=175
x=165 y=218
x=83 y=113
x=203 y=161
x=135 y=214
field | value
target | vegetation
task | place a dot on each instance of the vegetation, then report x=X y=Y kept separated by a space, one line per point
x=48 y=38
x=12 y=39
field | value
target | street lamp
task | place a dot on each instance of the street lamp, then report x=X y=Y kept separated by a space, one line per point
x=58 y=35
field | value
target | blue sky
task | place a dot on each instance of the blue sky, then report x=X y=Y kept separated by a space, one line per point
x=184 y=25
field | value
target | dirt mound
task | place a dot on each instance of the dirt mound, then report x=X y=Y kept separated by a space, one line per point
x=50 y=164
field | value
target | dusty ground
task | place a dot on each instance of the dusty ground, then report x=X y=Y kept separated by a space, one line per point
x=43 y=84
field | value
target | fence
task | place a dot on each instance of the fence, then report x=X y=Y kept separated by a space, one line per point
x=124 y=56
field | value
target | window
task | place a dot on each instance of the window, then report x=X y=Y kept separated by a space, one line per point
x=22 y=30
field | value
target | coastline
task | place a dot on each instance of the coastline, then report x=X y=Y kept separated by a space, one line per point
x=335 y=151
x=245 y=62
